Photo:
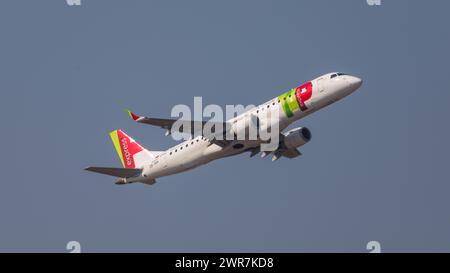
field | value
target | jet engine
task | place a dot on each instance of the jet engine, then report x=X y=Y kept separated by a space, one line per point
x=289 y=143
x=296 y=137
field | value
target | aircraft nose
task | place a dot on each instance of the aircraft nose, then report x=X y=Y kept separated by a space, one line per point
x=355 y=82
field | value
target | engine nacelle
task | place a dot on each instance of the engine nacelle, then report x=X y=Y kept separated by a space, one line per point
x=297 y=137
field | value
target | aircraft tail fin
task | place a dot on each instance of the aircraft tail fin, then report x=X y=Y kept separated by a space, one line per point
x=131 y=153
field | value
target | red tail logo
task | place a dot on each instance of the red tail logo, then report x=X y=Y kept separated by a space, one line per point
x=129 y=148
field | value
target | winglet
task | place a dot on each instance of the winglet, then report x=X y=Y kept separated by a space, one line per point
x=132 y=115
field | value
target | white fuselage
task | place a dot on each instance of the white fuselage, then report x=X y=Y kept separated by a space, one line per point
x=192 y=153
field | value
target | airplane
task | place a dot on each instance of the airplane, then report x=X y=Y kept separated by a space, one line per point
x=145 y=166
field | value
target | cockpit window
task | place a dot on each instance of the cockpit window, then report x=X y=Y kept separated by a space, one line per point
x=337 y=75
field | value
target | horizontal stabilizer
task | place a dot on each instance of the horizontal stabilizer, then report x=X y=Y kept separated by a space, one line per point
x=117 y=172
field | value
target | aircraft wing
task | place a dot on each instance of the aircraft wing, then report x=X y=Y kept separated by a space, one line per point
x=187 y=126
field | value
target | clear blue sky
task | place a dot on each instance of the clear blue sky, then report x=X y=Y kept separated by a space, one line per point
x=376 y=169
